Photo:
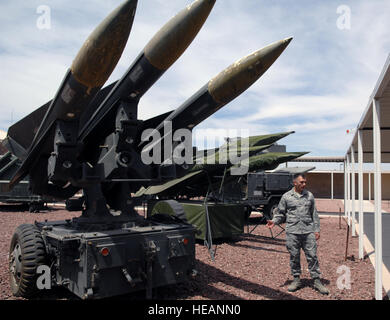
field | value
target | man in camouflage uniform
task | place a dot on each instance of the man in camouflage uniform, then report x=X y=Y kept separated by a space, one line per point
x=297 y=206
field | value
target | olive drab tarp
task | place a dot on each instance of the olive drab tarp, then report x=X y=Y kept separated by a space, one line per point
x=226 y=220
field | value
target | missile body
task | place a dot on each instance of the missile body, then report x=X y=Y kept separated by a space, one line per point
x=90 y=69
x=211 y=162
x=265 y=161
x=226 y=86
x=253 y=141
x=196 y=184
x=222 y=89
x=266 y=138
x=270 y=160
x=159 y=54
x=93 y=64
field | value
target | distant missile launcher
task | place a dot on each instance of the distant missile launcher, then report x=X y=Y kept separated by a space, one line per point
x=208 y=171
x=89 y=138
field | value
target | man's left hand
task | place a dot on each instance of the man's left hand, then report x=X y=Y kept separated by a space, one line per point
x=317 y=234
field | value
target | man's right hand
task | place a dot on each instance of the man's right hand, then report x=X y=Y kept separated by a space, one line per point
x=270 y=224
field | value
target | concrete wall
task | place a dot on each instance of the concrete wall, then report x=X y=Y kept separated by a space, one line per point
x=319 y=183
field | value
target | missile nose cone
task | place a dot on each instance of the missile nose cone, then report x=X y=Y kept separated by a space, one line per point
x=100 y=53
x=177 y=34
x=238 y=77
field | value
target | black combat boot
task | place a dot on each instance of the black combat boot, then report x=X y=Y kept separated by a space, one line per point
x=320 y=287
x=295 y=285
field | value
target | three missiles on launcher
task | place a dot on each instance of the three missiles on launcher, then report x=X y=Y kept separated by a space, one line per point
x=196 y=184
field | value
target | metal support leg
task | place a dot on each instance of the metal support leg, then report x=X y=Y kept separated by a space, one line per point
x=378 y=199
x=353 y=194
x=280 y=232
x=361 y=213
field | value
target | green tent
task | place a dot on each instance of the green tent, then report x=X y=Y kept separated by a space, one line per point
x=212 y=220
x=225 y=220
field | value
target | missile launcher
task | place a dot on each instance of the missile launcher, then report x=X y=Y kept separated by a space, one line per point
x=89 y=138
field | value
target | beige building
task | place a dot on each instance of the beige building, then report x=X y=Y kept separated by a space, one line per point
x=320 y=184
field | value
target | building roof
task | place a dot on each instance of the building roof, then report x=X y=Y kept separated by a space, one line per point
x=381 y=93
x=318 y=159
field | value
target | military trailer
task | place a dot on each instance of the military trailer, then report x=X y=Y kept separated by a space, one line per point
x=227 y=201
x=211 y=220
x=262 y=191
x=90 y=138
x=21 y=193
x=265 y=189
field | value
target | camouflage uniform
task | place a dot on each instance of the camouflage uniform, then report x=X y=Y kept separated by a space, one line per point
x=302 y=222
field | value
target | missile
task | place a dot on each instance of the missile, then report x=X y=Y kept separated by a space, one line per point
x=226 y=86
x=253 y=141
x=270 y=160
x=222 y=89
x=90 y=69
x=265 y=161
x=93 y=64
x=267 y=138
x=168 y=44
x=195 y=183
x=216 y=161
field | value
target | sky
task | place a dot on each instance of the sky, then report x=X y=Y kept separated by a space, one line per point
x=319 y=87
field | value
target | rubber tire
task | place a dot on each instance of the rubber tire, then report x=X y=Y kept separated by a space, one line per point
x=74 y=204
x=171 y=207
x=269 y=209
x=33 y=208
x=33 y=254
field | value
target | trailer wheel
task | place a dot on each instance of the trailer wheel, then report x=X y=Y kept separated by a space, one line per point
x=269 y=209
x=27 y=253
x=32 y=208
x=170 y=207
x=35 y=207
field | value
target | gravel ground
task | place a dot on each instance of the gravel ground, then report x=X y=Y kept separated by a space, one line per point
x=253 y=266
